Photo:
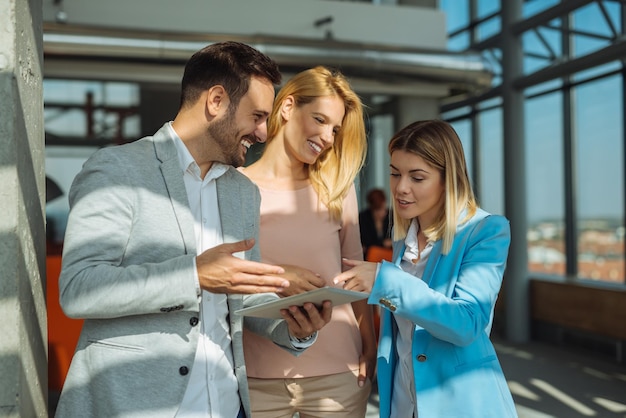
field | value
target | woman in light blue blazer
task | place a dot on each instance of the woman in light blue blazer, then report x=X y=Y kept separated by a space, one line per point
x=435 y=359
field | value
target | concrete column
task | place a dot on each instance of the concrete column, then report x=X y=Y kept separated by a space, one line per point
x=516 y=283
x=23 y=327
x=410 y=109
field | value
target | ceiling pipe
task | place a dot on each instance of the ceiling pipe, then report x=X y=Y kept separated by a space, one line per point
x=467 y=72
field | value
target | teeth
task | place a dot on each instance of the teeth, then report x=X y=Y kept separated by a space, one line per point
x=246 y=144
x=316 y=147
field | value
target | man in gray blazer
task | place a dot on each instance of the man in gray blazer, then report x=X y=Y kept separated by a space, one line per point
x=159 y=252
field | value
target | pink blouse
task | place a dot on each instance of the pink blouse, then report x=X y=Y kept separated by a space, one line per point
x=296 y=229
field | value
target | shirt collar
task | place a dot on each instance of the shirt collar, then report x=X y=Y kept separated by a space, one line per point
x=410 y=241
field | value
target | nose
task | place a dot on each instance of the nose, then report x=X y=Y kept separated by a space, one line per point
x=403 y=186
x=328 y=136
x=260 y=132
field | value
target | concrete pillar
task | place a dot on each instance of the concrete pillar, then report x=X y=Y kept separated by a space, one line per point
x=23 y=327
x=516 y=283
x=410 y=109
x=400 y=112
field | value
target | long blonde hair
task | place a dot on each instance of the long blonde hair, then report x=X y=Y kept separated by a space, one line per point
x=438 y=144
x=333 y=173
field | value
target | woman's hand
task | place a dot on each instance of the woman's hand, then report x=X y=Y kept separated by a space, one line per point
x=300 y=280
x=359 y=278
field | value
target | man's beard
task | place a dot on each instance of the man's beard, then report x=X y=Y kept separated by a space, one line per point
x=224 y=133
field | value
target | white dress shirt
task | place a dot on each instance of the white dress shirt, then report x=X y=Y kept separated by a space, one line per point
x=403 y=402
x=212 y=390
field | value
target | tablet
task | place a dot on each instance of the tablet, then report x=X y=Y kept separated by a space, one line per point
x=336 y=295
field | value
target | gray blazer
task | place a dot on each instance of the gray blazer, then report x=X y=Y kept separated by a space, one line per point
x=128 y=270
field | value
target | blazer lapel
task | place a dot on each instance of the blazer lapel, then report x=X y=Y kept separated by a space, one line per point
x=172 y=176
x=431 y=264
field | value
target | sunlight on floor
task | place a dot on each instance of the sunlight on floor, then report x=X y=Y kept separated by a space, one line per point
x=563 y=397
x=610 y=405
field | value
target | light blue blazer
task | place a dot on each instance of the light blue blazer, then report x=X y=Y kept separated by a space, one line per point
x=456 y=371
x=129 y=271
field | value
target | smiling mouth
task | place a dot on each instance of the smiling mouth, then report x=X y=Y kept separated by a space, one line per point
x=246 y=143
x=315 y=147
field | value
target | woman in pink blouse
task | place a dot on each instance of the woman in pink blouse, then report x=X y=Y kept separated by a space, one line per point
x=315 y=147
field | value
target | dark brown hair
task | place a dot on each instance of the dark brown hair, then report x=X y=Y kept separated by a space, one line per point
x=229 y=64
x=376 y=198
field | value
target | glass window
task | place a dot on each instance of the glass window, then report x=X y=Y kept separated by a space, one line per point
x=490 y=191
x=457 y=14
x=487 y=7
x=598 y=71
x=597 y=30
x=91 y=109
x=598 y=121
x=464 y=129
x=533 y=7
x=459 y=42
x=489 y=28
x=494 y=57
x=541 y=47
x=544 y=184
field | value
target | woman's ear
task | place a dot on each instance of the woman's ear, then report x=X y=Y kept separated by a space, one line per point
x=216 y=100
x=287 y=107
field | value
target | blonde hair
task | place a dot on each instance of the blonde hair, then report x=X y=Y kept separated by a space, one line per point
x=437 y=143
x=333 y=173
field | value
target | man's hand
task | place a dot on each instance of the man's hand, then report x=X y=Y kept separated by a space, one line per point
x=300 y=280
x=306 y=320
x=221 y=272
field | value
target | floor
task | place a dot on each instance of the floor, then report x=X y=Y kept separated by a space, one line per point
x=550 y=381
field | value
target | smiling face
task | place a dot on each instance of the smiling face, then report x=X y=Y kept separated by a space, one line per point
x=310 y=129
x=235 y=131
x=418 y=188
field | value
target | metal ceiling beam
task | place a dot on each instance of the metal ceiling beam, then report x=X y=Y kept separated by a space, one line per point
x=392 y=66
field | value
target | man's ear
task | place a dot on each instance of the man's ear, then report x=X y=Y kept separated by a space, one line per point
x=216 y=100
x=287 y=107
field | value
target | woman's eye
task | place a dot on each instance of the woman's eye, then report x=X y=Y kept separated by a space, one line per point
x=395 y=175
x=319 y=120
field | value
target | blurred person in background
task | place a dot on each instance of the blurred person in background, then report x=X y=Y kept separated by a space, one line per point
x=374 y=222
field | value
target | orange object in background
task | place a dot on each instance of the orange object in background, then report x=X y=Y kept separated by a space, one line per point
x=63 y=332
x=377 y=254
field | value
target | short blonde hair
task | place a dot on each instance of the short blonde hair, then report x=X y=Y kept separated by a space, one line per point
x=334 y=171
x=438 y=144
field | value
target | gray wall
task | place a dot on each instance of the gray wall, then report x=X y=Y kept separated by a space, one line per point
x=23 y=328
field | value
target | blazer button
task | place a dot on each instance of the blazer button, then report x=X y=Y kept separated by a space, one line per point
x=183 y=370
x=421 y=358
x=193 y=321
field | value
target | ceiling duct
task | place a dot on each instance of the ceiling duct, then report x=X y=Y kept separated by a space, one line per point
x=463 y=72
